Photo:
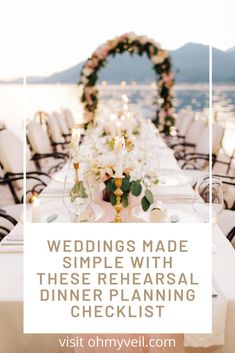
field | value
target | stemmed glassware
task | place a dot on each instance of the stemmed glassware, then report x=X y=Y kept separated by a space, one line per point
x=208 y=190
x=77 y=195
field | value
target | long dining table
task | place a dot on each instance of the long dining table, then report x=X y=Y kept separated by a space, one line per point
x=13 y=340
x=175 y=192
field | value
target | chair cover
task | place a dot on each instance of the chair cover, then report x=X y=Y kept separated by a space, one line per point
x=38 y=138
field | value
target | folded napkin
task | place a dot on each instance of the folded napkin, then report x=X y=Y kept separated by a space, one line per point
x=216 y=338
x=47 y=192
x=11 y=248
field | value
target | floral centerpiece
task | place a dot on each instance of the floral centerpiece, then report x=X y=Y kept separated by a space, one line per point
x=102 y=160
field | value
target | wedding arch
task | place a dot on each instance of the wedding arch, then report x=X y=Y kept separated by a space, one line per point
x=135 y=45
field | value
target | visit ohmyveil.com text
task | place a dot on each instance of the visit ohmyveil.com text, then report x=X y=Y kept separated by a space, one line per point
x=117 y=343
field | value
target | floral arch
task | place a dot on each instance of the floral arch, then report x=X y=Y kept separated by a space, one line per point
x=135 y=45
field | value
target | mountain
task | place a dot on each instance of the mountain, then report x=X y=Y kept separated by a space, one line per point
x=190 y=64
x=223 y=68
x=230 y=49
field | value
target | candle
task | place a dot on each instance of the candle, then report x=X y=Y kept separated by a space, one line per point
x=118 y=128
x=36 y=212
x=76 y=134
x=119 y=148
x=125 y=98
x=112 y=124
x=129 y=123
x=113 y=117
x=125 y=108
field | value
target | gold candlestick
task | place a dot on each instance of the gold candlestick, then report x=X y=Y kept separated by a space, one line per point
x=76 y=167
x=118 y=193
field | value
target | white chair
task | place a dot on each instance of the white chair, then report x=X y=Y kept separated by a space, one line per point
x=179 y=118
x=11 y=159
x=38 y=138
x=42 y=150
x=191 y=138
x=194 y=131
x=199 y=159
x=68 y=118
x=185 y=124
x=63 y=125
x=57 y=139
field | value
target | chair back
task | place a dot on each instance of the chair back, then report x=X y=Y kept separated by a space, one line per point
x=185 y=123
x=179 y=118
x=194 y=131
x=61 y=122
x=217 y=137
x=38 y=138
x=202 y=145
x=11 y=152
x=68 y=118
x=54 y=130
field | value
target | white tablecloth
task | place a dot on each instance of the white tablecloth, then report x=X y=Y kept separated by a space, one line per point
x=11 y=297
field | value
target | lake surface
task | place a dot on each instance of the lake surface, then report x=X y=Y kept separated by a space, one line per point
x=17 y=102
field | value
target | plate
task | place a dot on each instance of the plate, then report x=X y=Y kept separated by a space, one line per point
x=59 y=176
x=184 y=214
x=171 y=177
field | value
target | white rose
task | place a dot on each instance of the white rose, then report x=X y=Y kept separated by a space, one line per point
x=87 y=71
x=156 y=59
x=132 y=36
x=143 y=40
x=84 y=80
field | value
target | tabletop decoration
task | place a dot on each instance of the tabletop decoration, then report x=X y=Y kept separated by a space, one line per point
x=118 y=161
x=78 y=190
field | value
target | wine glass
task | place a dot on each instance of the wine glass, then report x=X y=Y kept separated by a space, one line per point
x=217 y=197
x=77 y=196
x=208 y=190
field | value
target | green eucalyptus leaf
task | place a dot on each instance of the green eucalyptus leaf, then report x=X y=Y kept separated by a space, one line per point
x=125 y=184
x=111 y=187
x=145 y=204
x=125 y=200
x=113 y=199
x=136 y=188
x=156 y=181
x=149 y=195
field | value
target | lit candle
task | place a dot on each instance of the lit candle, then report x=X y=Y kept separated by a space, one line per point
x=76 y=134
x=125 y=98
x=113 y=117
x=119 y=148
x=36 y=212
x=129 y=126
x=118 y=128
x=125 y=108
x=112 y=124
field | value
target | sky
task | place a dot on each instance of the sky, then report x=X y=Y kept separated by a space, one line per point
x=46 y=36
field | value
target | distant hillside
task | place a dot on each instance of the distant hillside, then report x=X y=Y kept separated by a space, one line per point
x=190 y=64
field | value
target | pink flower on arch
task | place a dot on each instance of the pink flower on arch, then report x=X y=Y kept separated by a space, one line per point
x=162 y=115
x=168 y=78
